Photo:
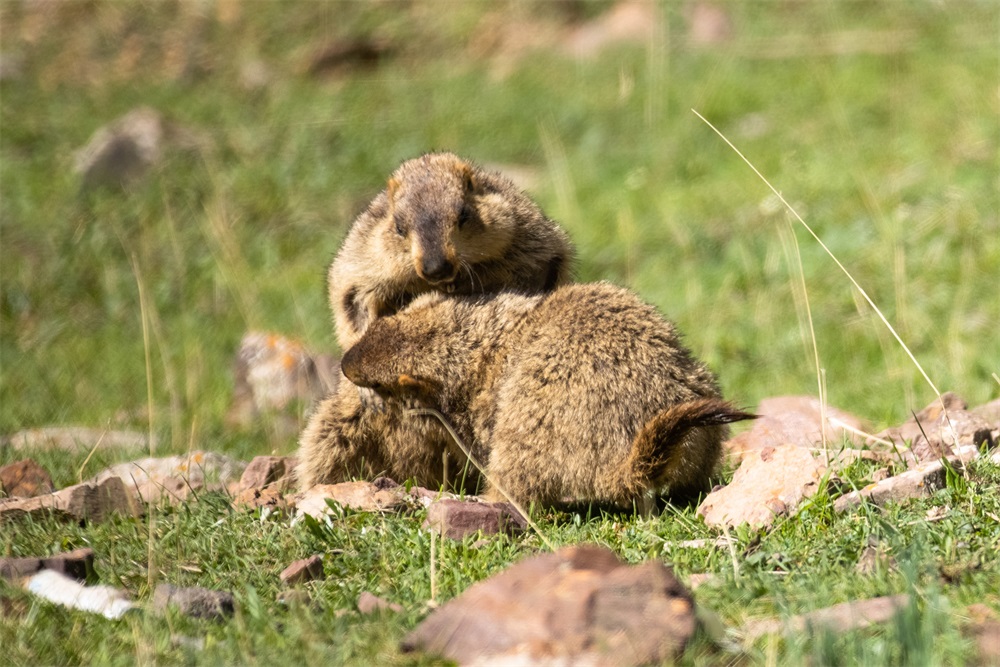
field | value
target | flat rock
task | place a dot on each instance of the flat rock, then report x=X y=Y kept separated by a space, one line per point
x=277 y=378
x=194 y=601
x=363 y=496
x=301 y=571
x=935 y=432
x=76 y=438
x=919 y=482
x=25 y=479
x=839 y=618
x=770 y=482
x=369 y=603
x=59 y=589
x=267 y=471
x=579 y=606
x=252 y=499
x=794 y=420
x=173 y=478
x=90 y=501
x=456 y=519
x=75 y=564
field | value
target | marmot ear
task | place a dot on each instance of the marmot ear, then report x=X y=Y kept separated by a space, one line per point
x=391 y=188
x=468 y=175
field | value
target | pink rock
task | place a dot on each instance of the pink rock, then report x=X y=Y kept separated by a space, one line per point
x=921 y=481
x=363 y=496
x=301 y=571
x=370 y=604
x=457 y=518
x=263 y=471
x=770 y=482
x=580 y=605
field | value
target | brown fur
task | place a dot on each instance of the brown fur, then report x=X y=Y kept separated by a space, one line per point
x=442 y=224
x=586 y=393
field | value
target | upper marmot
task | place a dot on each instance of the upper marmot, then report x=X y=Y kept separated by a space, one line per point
x=442 y=224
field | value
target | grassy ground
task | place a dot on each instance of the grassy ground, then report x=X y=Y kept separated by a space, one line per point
x=888 y=149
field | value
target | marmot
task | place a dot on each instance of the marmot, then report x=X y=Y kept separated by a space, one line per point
x=586 y=393
x=442 y=224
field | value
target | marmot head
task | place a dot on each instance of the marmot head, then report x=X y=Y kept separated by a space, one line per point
x=436 y=214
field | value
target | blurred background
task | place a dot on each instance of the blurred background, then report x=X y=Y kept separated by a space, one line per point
x=176 y=175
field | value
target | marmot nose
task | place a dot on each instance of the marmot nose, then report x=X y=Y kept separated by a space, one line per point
x=437 y=270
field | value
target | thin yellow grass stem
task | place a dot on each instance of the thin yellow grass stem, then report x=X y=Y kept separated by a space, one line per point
x=143 y=314
x=468 y=454
x=79 y=473
x=829 y=252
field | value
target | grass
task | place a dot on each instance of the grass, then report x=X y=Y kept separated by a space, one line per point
x=892 y=158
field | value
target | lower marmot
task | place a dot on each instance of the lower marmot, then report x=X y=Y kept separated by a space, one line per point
x=585 y=393
x=441 y=224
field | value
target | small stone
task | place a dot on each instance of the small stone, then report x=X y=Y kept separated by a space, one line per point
x=195 y=602
x=301 y=571
x=25 y=479
x=456 y=519
x=370 y=604
x=254 y=499
x=771 y=481
x=265 y=471
x=579 y=605
x=919 y=482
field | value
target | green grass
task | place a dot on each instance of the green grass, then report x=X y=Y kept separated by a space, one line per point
x=893 y=158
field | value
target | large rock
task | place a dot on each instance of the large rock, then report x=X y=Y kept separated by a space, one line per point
x=90 y=501
x=173 y=478
x=278 y=378
x=267 y=471
x=578 y=606
x=794 y=420
x=25 y=479
x=301 y=571
x=456 y=519
x=770 y=482
x=937 y=431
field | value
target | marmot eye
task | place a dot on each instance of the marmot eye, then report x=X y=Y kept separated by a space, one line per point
x=399 y=225
x=464 y=216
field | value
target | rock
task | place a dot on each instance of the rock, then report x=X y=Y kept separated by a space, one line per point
x=195 y=602
x=793 y=420
x=76 y=439
x=770 y=482
x=25 y=479
x=370 y=604
x=265 y=471
x=579 y=605
x=75 y=564
x=921 y=481
x=708 y=24
x=457 y=518
x=173 y=478
x=628 y=21
x=874 y=559
x=123 y=152
x=989 y=413
x=426 y=497
x=301 y=571
x=931 y=435
x=342 y=56
x=277 y=378
x=363 y=496
x=60 y=589
x=254 y=499
x=90 y=501
x=839 y=618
